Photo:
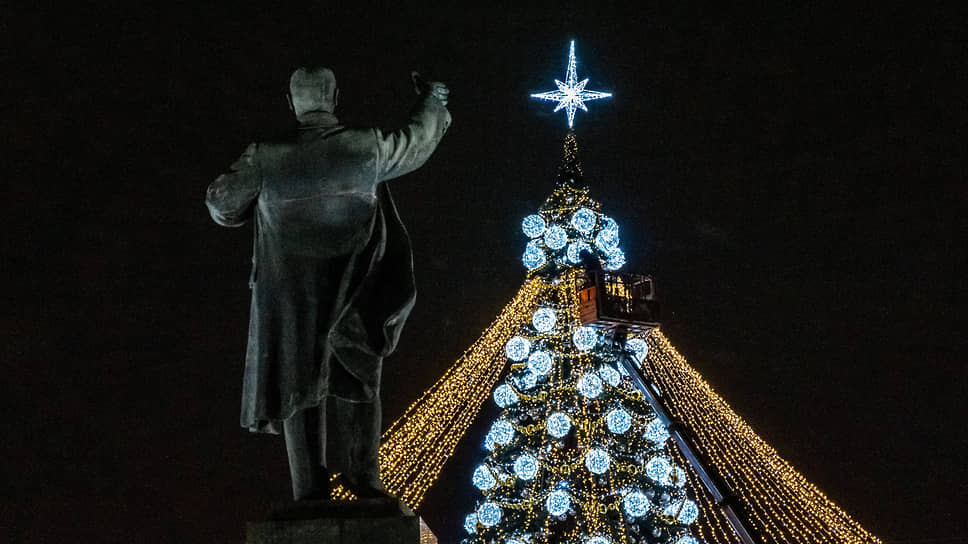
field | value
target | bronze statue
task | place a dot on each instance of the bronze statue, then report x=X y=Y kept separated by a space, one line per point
x=332 y=277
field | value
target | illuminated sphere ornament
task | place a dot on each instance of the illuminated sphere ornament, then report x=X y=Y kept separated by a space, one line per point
x=513 y=541
x=618 y=421
x=527 y=380
x=610 y=375
x=557 y=503
x=489 y=442
x=583 y=220
x=526 y=466
x=544 y=320
x=590 y=386
x=470 y=523
x=597 y=461
x=534 y=256
x=606 y=241
x=533 y=226
x=598 y=540
x=584 y=338
x=504 y=396
x=609 y=225
x=555 y=237
x=656 y=432
x=489 y=514
x=615 y=259
x=517 y=348
x=688 y=539
x=687 y=511
x=574 y=251
x=636 y=504
x=558 y=424
x=539 y=363
x=658 y=468
x=501 y=432
x=676 y=477
x=638 y=347
x=483 y=479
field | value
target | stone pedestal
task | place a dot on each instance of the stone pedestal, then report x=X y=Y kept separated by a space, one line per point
x=365 y=521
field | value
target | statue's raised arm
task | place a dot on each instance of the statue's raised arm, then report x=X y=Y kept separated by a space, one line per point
x=332 y=277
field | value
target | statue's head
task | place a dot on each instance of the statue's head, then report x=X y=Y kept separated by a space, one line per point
x=312 y=89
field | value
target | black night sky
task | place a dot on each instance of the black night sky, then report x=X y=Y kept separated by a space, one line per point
x=794 y=177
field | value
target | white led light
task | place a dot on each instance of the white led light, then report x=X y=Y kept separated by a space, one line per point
x=544 y=319
x=618 y=421
x=470 y=523
x=574 y=251
x=636 y=504
x=539 y=363
x=597 y=460
x=482 y=478
x=590 y=386
x=571 y=94
x=656 y=432
x=583 y=220
x=517 y=348
x=504 y=396
x=610 y=375
x=658 y=468
x=533 y=226
x=526 y=466
x=638 y=347
x=686 y=511
x=558 y=424
x=534 y=256
x=584 y=338
x=489 y=514
x=555 y=237
x=557 y=503
x=501 y=432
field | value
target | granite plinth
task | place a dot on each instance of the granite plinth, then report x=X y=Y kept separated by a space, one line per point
x=365 y=521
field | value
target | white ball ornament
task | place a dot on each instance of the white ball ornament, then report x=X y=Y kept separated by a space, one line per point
x=555 y=237
x=610 y=375
x=618 y=421
x=638 y=347
x=597 y=461
x=590 y=386
x=526 y=466
x=489 y=514
x=583 y=220
x=540 y=363
x=504 y=395
x=482 y=478
x=636 y=504
x=558 y=424
x=557 y=503
x=533 y=226
x=584 y=338
x=544 y=320
x=517 y=348
x=470 y=523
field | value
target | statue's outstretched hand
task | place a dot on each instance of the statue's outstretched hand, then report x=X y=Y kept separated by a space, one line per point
x=435 y=88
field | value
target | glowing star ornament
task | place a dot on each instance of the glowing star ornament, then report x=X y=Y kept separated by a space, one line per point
x=571 y=94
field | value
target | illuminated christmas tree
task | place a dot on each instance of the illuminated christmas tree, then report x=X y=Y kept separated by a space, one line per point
x=559 y=468
x=577 y=454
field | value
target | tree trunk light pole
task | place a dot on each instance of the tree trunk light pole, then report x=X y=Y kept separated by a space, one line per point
x=623 y=303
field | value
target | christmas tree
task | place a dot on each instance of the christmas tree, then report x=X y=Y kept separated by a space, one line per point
x=577 y=454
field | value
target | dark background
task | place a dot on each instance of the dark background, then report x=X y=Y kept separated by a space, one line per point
x=793 y=176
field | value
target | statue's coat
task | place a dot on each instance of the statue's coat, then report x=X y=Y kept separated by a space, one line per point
x=332 y=277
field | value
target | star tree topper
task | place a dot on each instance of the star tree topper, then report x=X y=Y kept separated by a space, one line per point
x=571 y=94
